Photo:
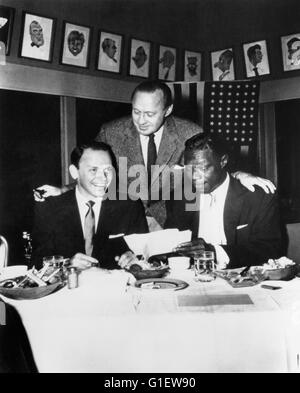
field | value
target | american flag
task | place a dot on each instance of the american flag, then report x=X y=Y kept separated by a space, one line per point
x=226 y=108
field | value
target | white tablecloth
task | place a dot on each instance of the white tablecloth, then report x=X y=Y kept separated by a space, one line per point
x=107 y=326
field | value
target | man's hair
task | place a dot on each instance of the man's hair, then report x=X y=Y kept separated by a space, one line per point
x=76 y=35
x=291 y=41
x=227 y=54
x=153 y=86
x=205 y=141
x=107 y=42
x=97 y=146
x=251 y=50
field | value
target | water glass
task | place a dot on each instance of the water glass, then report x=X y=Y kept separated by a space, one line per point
x=204 y=266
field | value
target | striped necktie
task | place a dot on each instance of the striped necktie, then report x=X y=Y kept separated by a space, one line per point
x=89 y=228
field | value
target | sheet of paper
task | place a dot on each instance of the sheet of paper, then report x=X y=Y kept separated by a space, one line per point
x=158 y=242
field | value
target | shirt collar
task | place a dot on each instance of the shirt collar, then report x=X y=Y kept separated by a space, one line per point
x=221 y=191
x=82 y=201
x=157 y=135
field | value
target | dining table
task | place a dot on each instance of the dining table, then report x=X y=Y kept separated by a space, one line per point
x=109 y=325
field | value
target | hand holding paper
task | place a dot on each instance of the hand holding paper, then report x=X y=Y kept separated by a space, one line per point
x=159 y=242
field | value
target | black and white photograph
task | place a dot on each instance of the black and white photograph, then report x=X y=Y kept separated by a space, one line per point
x=167 y=63
x=110 y=52
x=290 y=46
x=222 y=65
x=256 y=59
x=37 y=37
x=6 y=26
x=140 y=52
x=75 y=50
x=150 y=190
x=192 y=66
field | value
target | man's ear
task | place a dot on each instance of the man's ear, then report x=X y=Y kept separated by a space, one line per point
x=169 y=110
x=73 y=172
x=224 y=160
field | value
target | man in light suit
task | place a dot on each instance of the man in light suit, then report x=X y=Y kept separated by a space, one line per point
x=129 y=137
x=84 y=224
x=240 y=226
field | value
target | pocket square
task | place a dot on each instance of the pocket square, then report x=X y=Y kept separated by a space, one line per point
x=115 y=236
x=241 y=226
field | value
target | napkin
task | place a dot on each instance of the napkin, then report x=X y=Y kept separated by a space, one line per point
x=159 y=242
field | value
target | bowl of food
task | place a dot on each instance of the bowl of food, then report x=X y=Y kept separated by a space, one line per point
x=28 y=292
x=280 y=269
x=141 y=269
x=33 y=285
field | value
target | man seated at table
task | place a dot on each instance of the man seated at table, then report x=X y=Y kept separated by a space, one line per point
x=85 y=224
x=242 y=227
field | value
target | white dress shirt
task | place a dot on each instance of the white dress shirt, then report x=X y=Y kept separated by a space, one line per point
x=83 y=208
x=211 y=223
x=145 y=140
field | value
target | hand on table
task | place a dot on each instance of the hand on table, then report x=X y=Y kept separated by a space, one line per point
x=126 y=259
x=249 y=181
x=83 y=262
x=189 y=249
x=40 y=194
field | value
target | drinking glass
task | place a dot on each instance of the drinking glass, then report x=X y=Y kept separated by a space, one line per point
x=204 y=266
x=55 y=262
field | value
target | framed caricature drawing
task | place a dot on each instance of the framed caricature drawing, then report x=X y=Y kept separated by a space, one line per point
x=140 y=58
x=167 y=63
x=192 y=66
x=256 y=59
x=110 y=52
x=37 y=37
x=290 y=46
x=222 y=65
x=75 y=49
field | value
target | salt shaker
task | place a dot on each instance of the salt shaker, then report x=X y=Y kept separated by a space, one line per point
x=72 y=277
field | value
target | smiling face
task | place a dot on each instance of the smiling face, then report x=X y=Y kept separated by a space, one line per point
x=75 y=42
x=94 y=173
x=149 y=112
x=208 y=170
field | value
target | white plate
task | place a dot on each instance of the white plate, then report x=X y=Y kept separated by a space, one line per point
x=161 y=283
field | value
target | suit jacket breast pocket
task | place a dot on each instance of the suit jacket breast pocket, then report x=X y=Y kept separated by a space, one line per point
x=242 y=233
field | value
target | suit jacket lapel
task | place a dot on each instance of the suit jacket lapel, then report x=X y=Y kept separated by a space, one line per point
x=168 y=145
x=131 y=141
x=232 y=209
x=70 y=214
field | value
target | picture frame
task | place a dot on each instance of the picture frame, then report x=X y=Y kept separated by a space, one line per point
x=140 y=55
x=110 y=51
x=192 y=66
x=167 y=60
x=6 y=25
x=290 y=48
x=222 y=65
x=75 y=45
x=256 y=59
x=37 y=37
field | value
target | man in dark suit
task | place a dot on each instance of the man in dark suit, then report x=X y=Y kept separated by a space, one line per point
x=240 y=226
x=151 y=135
x=87 y=224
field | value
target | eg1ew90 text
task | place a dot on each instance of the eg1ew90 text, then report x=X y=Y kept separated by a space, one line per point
x=169 y=382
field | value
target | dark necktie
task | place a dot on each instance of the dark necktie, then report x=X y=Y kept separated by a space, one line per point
x=152 y=155
x=255 y=71
x=89 y=228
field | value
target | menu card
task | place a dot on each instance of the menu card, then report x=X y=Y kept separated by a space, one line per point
x=159 y=242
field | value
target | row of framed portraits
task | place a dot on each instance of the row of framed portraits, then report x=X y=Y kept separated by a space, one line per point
x=37 y=40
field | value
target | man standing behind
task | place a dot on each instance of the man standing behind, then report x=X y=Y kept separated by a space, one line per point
x=240 y=226
x=80 y=223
